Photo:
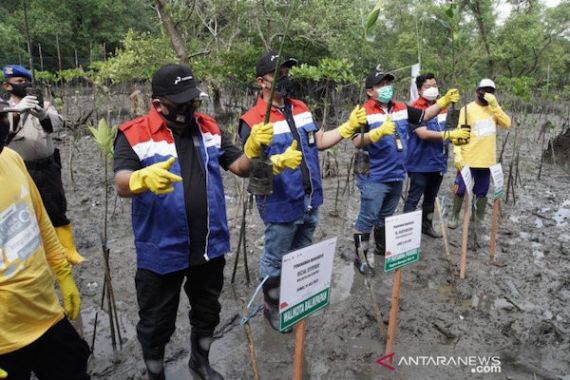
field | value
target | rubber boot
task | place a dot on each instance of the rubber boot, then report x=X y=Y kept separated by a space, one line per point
x=361 y=243
x=271 y=289
x=65 y=236
x=481 y=204
x=199 y=362
x=453 y=221
x=154 y=362
x=427 y=224
x=380 y=241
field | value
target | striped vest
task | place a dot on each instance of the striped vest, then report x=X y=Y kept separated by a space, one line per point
x=287 y=202
x=159 y=221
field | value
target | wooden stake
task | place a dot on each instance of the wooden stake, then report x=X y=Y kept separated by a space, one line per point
x=299 y=350
x=465 y=235
x=393 y=312
x=493 y=244
x=250 y=346
x=445 y=242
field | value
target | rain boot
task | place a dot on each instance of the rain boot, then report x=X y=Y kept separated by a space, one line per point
x=199 y=362
x=380 y=240
x=453 y=221
x=361 y=243
x=427 y=224
x=65 y=236
x=154 y=362
x=271 y=289
x=481 y=205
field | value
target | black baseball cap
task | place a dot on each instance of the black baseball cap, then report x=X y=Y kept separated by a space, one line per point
x=376 y=76
x=266 y=64
x=175 y=82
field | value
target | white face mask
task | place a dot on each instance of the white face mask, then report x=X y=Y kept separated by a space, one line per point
x=431 y=94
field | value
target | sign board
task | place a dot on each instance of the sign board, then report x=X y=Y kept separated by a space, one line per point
x=467 y=180
x=498 y=180
x=403 y=238
x=305 y=282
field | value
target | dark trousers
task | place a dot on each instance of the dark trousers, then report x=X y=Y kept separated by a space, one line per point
x=59 y=354
x=46 y=174
x=426 y=184
x=481 y=182
x=158 y=298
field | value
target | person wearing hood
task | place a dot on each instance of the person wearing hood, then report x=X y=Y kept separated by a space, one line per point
x=484 y=114
x=31 y=138
x=428 y=147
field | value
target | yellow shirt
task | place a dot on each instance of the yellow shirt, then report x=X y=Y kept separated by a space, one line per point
x=29 y=251
x=481 y=152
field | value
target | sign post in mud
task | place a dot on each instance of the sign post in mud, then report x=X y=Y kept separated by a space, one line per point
x=468 y=181
x=305 y=288
x=403 y=239
x=498 y=181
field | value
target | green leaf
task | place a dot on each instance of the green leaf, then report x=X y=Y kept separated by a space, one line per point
x=104 y=137
x=371 y=21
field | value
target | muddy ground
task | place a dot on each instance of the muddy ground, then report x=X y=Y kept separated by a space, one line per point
x=519 y=312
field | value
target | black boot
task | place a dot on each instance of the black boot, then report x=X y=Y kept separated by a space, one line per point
x=427 y=224
x=361 y=243
x=271 y=289
x=154 y=362
x=380 y=240
x=199 y=362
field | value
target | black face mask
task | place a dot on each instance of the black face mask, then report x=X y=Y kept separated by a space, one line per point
x=19 y=89
x=182 y=113
x=4 y=129
x=283 y=86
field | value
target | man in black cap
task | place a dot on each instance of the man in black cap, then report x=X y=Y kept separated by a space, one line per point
x=385 y=139
x=290 y=213
x=169 y=162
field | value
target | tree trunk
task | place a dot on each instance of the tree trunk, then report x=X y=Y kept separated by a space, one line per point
x=170 y=26
x=475 y=6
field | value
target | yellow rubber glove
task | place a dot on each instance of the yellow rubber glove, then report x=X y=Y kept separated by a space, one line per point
x=261 y=134
x=451 y=96
x=386 y=129
x=491 y=99
x=290 y=159
x=453 y=135
x=70 y=294
x=356 y=119
x=3 y=374
x=155 y=178
x=458 y=160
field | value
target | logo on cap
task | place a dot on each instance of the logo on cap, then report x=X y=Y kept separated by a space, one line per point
x=182 y=79
x=9 y=70
x=378 y=73
x=274 y=56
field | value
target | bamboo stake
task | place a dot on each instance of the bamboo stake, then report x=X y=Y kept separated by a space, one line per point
x=446 y=242
x=493 y=243
x=391 y=337
x=465 y=235
x=299 y=350
x=250 y=346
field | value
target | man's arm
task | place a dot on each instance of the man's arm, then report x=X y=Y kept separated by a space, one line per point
x=328 y=139
x=233 y=158
x=125 y=163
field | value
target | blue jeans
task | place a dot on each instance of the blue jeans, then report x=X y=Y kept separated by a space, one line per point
x=378 y=200
x=282 y=238
x=426 y=184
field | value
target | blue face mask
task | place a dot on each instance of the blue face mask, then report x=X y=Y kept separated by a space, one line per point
x=385 y=94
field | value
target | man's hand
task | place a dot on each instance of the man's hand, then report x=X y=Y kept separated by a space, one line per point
x=386 y=129
x=27 y=103
x=261 y=134
x=155 y=178
x=70 y=295
x=290 y=159
x=452 y=96
x=3 y=374
x=455 y=134
x=491 y=100
x=356 y=119
x=39 y=112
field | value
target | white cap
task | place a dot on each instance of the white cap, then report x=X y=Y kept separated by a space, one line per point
x=486 y=83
